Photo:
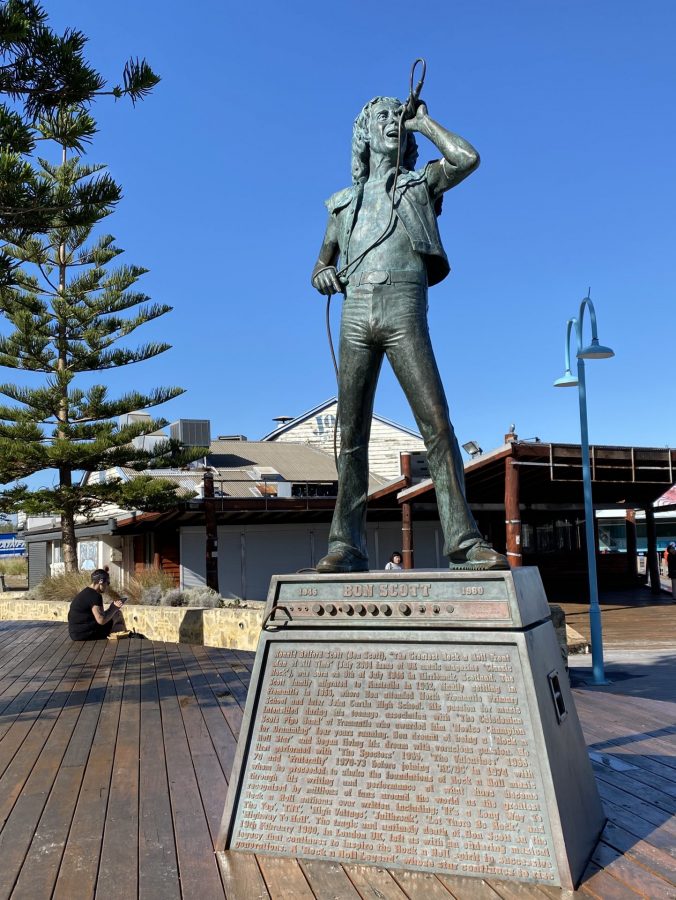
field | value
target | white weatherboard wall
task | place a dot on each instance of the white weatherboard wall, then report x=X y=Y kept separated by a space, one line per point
x=386 y=443
x=248 y=556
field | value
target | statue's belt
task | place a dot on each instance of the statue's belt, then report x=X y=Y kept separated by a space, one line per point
x=387 y=276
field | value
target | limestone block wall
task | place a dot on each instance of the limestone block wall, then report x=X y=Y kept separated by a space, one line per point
x=237 y=628
x=234 y=627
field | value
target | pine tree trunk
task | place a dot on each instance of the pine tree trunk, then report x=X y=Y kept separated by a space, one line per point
x=68 y=541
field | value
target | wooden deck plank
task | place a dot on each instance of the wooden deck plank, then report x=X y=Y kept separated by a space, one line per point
x=70 y=827
x=31 y=675
x=27 y=791
x=118 y=865
x=241 y=876
x=632 y=873
x=635 y=806
x=623 y=780
x=626 y=716
x=647 y=782
x=463 y=887
x=208 y=772
x=284 y=878
x=514 y=890
x=654 y=859
x=222 y=736
x=233 y=673
x=655 y=771
x=246 y=658
x=373 y=883
x=421 y=885
x=30 y=732
x=661 y=836
x=642 y=768
x=228 y=703
x=198 y=869
x=18 y=654
x=158 y=865
x=30 y=679
x=14 y=635
x=327 y=879
x=599 y=884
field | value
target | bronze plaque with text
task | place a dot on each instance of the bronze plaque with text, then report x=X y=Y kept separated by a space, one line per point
x=405 y=754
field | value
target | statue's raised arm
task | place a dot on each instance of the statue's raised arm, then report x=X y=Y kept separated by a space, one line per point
x=459 y=157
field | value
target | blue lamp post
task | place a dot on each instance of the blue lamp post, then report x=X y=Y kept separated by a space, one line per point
x=593 y=351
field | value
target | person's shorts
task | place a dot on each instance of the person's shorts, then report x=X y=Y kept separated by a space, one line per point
x=96 y=633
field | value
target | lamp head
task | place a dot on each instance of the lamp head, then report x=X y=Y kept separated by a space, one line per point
x=595 y=351
x=567 y=380
x=472 y=448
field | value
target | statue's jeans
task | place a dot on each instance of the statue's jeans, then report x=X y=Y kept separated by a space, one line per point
x=391 y=320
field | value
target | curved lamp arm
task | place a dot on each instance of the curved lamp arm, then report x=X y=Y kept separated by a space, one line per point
x=568 y=379
x=594 y=350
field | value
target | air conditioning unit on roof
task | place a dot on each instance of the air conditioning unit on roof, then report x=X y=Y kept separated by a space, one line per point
x=191 y=432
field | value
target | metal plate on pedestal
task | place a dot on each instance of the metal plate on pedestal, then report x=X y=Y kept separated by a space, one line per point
x=410 y=755
x=383 y=728
x=434 y=598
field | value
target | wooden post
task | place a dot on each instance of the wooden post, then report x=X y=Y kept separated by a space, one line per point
x=212 y=532
x=653 y=563
x=512 y=513
x=630 y=527
x=406 y=516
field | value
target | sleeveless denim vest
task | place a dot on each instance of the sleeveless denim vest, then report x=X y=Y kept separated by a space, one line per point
x=416 y=212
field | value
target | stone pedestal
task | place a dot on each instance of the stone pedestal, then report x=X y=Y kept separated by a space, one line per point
x=418 y=720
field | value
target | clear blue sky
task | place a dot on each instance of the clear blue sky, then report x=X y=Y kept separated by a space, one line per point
x=226 y=166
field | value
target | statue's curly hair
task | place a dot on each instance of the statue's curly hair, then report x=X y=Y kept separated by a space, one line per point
x=360 y=142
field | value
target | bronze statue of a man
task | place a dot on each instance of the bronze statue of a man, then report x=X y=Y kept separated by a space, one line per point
x=384 y=231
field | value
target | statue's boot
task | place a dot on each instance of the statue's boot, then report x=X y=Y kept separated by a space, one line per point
x=342 y=561
x=480 y=556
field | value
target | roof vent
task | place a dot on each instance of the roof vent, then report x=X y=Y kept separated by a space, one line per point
x=266 y=473
x=232 y=437
x=282 y=420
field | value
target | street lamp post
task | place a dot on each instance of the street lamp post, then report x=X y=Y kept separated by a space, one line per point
x=593 y=351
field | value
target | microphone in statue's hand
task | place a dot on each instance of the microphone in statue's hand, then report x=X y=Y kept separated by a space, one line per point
x=414 y=93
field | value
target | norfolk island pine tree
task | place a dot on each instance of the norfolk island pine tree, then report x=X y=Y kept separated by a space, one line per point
x=64 y=309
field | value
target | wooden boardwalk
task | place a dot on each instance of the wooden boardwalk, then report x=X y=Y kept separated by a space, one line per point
x=114 y=760
x=633 y=619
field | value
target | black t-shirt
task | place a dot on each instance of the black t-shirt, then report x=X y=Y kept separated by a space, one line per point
x=82 y=626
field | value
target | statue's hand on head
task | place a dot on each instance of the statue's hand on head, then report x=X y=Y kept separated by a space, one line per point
x=326 y=281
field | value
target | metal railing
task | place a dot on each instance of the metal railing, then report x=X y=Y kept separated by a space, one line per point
x=271 y=490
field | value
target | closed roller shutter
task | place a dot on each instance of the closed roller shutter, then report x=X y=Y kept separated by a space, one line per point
x=193 y=558
x=37 y=562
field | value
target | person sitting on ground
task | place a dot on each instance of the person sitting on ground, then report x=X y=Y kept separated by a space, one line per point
x=394 y=563
x=87 y=620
